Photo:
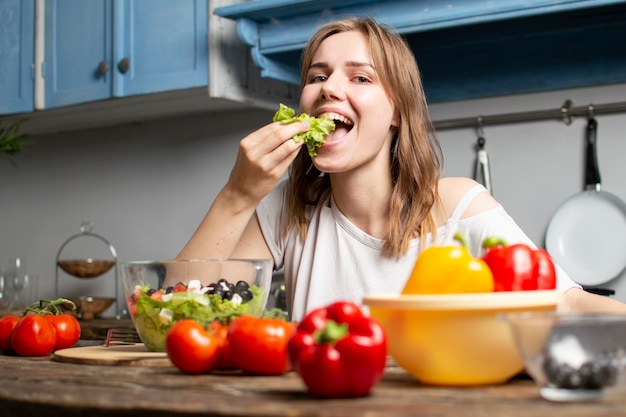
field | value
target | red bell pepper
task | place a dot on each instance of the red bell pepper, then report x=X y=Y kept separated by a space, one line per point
x=518 y=267
x=338 y=351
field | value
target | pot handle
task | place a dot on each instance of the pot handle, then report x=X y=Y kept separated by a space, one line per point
x=592 y=171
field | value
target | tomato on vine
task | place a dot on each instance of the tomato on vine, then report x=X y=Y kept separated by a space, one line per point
x=41 y=329
x=67 y=330
x=33 y=335
x=7 y=324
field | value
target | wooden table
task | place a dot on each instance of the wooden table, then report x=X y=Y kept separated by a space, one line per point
x=42 y=386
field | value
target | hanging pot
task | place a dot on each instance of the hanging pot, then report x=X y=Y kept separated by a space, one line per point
x=586 y=236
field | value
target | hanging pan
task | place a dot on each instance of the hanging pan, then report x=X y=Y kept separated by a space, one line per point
x=586 y=236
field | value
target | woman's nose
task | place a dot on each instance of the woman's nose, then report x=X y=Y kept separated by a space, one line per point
x=331 y=89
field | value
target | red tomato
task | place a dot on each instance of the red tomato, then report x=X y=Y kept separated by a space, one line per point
x=258 y=345
x=191 y=348
x=67 y=330
x=180 y=287
x=224 y=361
x=33 y=336
x=157 y=295
x=7 y=324
x=131 y=301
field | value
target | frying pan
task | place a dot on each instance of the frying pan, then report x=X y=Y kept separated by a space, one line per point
x=586 y=236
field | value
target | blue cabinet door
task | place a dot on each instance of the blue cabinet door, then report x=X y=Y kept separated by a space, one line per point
x=99 y=49
x=160 y=45
x=77 y=65
x=17 y=55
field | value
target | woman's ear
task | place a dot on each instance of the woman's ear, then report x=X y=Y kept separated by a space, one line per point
x=395 y=121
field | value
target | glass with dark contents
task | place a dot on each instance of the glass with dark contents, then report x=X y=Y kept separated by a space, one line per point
x=572 y=357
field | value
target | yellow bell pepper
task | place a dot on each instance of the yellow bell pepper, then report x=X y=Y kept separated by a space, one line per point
x=449 y=270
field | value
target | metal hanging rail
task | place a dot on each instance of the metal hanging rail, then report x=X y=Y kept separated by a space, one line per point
x=567 y=113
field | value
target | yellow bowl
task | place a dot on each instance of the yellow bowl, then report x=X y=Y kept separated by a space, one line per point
x=456 y=339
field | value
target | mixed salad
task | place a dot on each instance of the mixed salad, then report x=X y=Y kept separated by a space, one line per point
x=155 y=311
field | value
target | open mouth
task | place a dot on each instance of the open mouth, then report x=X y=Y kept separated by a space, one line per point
x=343 y=125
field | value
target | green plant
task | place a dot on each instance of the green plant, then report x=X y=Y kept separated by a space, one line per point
x=11 y=141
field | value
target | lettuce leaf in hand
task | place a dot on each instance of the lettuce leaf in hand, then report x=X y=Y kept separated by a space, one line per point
x=319 y=127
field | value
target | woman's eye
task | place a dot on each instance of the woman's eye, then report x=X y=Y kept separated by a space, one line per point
x=361 y=79
x=318 y=79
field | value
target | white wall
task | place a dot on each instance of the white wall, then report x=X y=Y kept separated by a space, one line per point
x=146 y=186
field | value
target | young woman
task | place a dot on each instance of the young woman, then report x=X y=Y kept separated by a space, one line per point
x=352 y=220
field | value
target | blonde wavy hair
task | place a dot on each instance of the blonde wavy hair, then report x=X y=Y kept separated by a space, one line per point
x=416 y=157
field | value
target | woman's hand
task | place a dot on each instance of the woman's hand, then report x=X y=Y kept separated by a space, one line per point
x=263 y=159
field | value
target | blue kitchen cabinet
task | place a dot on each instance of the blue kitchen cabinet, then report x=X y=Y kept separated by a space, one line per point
x=100 y=49
x=466 y=49
x=17 y=55
x=78 y=51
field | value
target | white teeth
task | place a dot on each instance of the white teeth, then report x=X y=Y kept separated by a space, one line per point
x=339 y=118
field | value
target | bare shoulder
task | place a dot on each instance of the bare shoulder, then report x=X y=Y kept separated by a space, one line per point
x=452 y=189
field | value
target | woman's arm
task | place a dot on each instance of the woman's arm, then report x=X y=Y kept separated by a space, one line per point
x=230 y=228
x=576 y=300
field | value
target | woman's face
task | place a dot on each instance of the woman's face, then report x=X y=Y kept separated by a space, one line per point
x=343 y=84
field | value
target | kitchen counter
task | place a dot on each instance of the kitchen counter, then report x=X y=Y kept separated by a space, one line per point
x=43 y=386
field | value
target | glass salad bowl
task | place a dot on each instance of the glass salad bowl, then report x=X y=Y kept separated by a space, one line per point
x=160 y=293
x=572 y=357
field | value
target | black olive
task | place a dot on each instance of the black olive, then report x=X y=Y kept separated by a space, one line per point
x=169 y=290
x=219 y=291
x=243 y=285
x=211 y=288
x=246 y=295
x=227 y=294
x=593 y=374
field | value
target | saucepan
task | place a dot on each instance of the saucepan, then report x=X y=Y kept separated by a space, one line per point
x=586 y=236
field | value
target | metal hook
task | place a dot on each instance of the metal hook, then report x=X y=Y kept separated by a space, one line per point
x=566 y=112
x=480 y=131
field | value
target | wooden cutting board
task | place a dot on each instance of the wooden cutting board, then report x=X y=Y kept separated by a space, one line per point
x=122 y=355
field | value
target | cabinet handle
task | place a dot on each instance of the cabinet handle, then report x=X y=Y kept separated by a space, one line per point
x=103 y=68
x=124 y=65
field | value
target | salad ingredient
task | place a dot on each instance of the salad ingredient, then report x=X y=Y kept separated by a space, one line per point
x=7 y=324
x=338 y=351
x=519 y=267
x=40 y=330
x=258 y=345
x=155 y=314
x=319 y=127
x=191 y=348
x=449 y=270
x=33 y=335
x=67 y=329
x=224 y=361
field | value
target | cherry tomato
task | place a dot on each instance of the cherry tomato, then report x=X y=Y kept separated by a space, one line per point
x=67 y=330
x=33 y=335
x=157 y=295
x=224 y=361
x=131 y=301
x=7 y=324
x=258 y=345
x=180 y=287
x=191 y=348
